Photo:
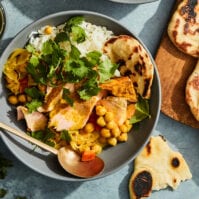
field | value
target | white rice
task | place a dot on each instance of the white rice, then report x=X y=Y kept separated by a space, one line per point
x=96 y=36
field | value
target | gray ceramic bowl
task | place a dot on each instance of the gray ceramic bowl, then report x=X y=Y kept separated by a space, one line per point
x=43 y=162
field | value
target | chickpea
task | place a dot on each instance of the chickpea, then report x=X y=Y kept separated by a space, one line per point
x=12 y=99
x=123 y=137
x=89 y=128
x=48 y=30
x=97 y=148
x=106 y=133
x=112 y=141
x=111 y=125
x=128 y=125
x=101 y=122
x=124 y=128
x=22 y=98
x=115 y=132
x=100 y=110
x=108 y=116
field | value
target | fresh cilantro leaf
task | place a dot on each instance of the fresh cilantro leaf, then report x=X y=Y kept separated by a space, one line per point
x=74 y=53
x=76 y=70
x=39 y=135
x=49 y=134
x=60 y=37
x=45 y=136
x=33 y=105
x=106 y=70
x=38 y=73
x=66 y=96
x=34 y=93
x=78 y=34
x=34 y=60
x=30 y=48
x=47 y=47
x=90 y=88
x=3 y=192
x=65 y=136
x=50 y=143
x=73 y=21
x=141 y=112
x=93 y=58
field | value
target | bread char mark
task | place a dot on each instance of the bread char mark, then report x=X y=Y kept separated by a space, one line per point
x=142 y=184
x=195 y=82
x=188 y=11
x=175 y=162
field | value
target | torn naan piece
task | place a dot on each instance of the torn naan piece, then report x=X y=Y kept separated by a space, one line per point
x=192 y=92
x=183 y=28
x=157 y=167
x=136 y=62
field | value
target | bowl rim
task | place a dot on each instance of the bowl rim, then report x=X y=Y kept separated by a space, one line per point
x=84 y=12
x=3 y=20
x=132 y=1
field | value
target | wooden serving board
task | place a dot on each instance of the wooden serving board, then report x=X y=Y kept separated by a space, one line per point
x=174 y=68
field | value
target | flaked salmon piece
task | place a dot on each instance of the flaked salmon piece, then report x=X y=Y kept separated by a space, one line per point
x=121 y=87
x=130 y=110
x=116 y=105
x=65 y=117
x=35 y=121
x=53 y=96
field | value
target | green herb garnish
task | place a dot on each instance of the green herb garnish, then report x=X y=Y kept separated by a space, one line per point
x=141 y=112
x=65 y=135
x=106 y=70
x=45 y=136
x=34 y=93
x=33 y=105
x=66 y=96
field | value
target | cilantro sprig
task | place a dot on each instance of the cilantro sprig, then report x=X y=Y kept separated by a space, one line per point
x=45 y=136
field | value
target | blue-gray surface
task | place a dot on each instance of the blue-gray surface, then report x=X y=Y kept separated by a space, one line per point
x=146 y=20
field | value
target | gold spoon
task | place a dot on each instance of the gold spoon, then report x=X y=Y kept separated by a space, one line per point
x=67 y=158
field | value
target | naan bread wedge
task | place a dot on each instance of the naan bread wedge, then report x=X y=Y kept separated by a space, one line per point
x=183 y=28
x=192 y=92
x=157 y=167
x=135 y=61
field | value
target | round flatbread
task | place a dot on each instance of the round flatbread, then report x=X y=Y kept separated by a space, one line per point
x=192 y=92
x=183 y=28
x=134 y=61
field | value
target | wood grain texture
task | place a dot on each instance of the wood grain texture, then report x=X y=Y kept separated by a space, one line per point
x=174 y=68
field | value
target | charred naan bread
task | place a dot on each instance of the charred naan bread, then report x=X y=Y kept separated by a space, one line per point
x=192 y=92
x=157 y=167
x=134 y=60
x=183 y=28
